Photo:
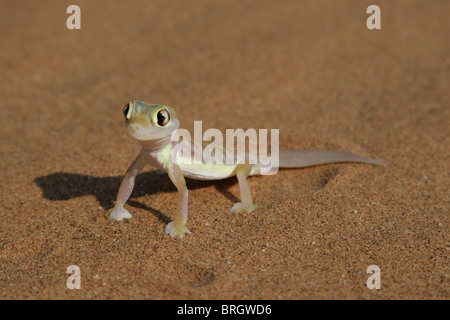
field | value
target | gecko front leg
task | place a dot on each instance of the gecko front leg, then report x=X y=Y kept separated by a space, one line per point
x=126 y=187
x=178 y=226
x=246 y=204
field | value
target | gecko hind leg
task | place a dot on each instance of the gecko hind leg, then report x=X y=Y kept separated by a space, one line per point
x=246 y=204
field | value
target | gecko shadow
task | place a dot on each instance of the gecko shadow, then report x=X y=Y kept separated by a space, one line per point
x=65 y=186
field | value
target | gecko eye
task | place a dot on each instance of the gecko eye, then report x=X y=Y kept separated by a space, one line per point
x=126 y=109
x=163 y=117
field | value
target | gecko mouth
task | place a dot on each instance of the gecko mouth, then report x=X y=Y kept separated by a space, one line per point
x=143 y=133
x=137 y=131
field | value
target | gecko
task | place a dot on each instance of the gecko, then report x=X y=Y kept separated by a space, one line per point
x=152 y=125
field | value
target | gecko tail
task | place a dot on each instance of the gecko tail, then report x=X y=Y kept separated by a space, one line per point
x=309 y=158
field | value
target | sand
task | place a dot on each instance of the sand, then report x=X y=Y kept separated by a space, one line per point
x=309 y=68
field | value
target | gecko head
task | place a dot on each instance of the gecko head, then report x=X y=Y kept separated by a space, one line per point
x=149 y=122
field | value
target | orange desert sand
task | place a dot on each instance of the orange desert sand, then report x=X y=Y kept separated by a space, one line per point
x=309 y=68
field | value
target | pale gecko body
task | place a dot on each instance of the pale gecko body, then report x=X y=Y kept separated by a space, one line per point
x=152 y=126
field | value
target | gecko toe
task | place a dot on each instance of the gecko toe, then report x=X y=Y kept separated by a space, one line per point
x=239 y=207
x=117 y=214
x=175 y=229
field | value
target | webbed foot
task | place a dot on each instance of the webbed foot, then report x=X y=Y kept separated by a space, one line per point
x=176 y=229
x=117 y=214
x=239 y=207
